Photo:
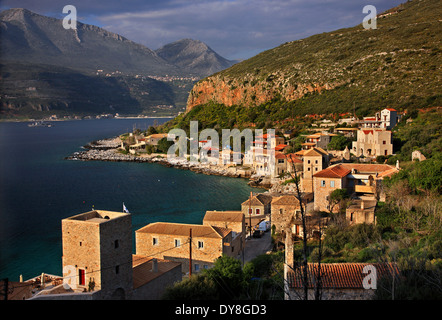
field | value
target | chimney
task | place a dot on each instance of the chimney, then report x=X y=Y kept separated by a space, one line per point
x=154 y=265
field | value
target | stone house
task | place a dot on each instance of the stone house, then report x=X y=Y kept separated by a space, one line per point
x=358 y=179
x=256 y=209
x=285 y=209
x=258 y=206
x=294 y=164
x=233 y=220
x=373 y=143
x=171 y=241
x=284 y=163
x=319 y=140
x=325 y=182
x=361 y=211
x=339 y=281
x=154 y=138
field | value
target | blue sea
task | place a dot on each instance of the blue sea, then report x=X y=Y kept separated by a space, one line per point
x=39 y=188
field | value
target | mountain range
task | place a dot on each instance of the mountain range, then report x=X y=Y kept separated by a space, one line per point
x=36 y=47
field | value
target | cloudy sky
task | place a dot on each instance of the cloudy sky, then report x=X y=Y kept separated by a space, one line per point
x=236 y=29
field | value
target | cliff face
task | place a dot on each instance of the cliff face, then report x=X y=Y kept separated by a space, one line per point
x=248 y=92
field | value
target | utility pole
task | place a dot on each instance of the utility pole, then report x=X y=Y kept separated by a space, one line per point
x=250 y=214
x=190 y=252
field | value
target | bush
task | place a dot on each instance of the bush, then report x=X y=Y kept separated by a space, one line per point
x=197 y=287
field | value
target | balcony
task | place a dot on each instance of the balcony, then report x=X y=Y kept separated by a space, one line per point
x=365 y=189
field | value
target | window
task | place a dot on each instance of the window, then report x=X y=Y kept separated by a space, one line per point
x=308 y=169
x=316 y=161
x=332 y=184
x=280 y=211
x=205 y=266
x=308 y=161
x=384 y=142
x=177 y=242
x=155 y=241
x=197 y=267
x=257 y=211
x=322 y=183
x=250 y=211
x=200 y=244
x=117 y=269
x=116 y=244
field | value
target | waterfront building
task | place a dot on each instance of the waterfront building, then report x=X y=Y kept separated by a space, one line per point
x=154 y=138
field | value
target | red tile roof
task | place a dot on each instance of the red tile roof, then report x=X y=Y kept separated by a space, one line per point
x=339 y=275
x=367 y=167
x=286 y=200
x=336 y=171
x=280 y=155
x=280 y=147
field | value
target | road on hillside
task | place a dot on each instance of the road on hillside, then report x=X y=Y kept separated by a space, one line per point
x=256 y=246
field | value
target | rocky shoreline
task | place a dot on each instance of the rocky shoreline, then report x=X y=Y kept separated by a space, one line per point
x=107 y=150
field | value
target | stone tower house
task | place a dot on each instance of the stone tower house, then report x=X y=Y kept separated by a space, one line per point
x=97 y=253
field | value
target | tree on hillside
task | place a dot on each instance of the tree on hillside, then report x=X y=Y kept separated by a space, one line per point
x=228 y=277
x=337 y=197
x=339 y=143
x=151 y=130
x=164 y=145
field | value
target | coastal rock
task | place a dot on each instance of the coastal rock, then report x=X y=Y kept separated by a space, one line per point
x=100 y=151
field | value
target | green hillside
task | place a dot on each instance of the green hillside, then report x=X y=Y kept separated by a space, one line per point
x=396 y=65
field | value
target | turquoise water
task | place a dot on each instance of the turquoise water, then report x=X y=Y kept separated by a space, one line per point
x=38 y=188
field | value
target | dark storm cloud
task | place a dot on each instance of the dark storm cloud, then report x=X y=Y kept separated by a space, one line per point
x=233 y=28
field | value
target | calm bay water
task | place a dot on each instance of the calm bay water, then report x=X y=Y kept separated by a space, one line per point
x=38 y=188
